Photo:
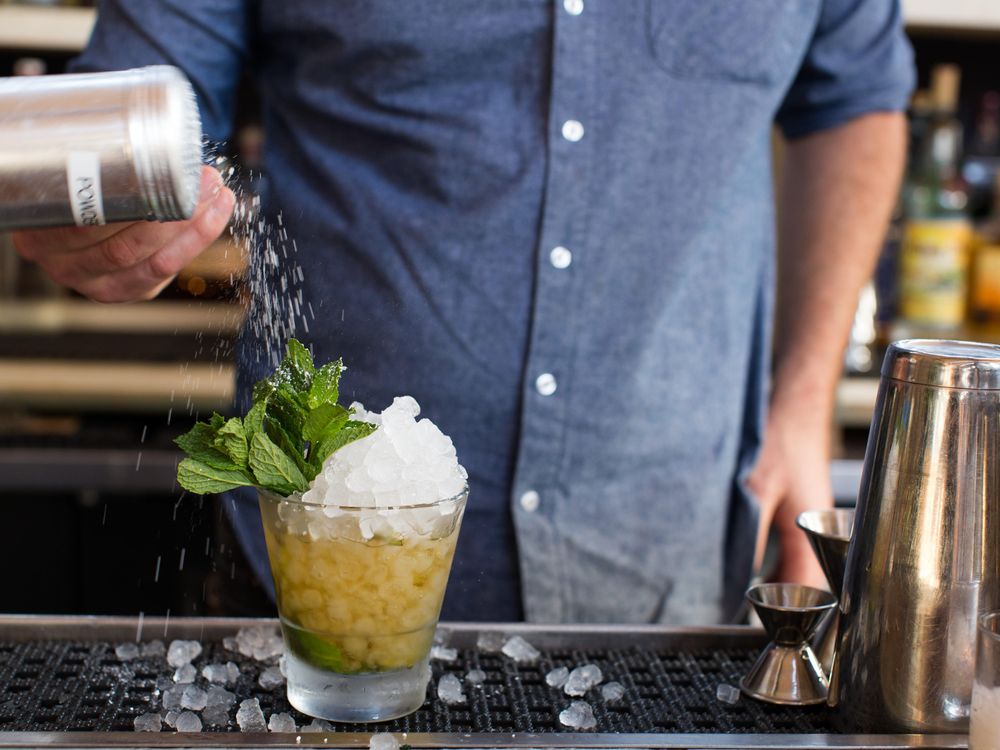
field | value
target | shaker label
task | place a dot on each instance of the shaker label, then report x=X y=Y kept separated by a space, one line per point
x=83 y=177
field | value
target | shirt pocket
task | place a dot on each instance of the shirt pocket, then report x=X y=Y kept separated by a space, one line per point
x=740 y=41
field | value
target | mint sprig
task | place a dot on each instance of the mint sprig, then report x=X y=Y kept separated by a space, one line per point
x=293 y=426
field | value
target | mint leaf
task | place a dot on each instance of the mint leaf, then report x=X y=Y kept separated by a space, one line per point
x=337 y=439
x=322 y=420
x=253 y=422
x=325 y=385
x=231 y=439
x=202 y=479
x=274 y=469
x=199 y=443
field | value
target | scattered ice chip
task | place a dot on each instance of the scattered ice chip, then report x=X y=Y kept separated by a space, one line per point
x=383 y=741
x=281 y=723
x=579 y=715
x=520 y=650
x=475 y=677
x=317 y=725
x=221 y=674
x=230 y=644
x=612 y=692
x=172 y=697
x=171 y=718
x=218 y=697
x=450 y=690
x=271 y=678
x=127 y=652
x=557 y=677
x=194 y=698
x=182 y=652
x=582 y=679
x=490 y=642
x=185 y=674
x=259 y=642
x=443 y=653
x=164 y=683
x=150 y=722
x=188 y=722
x=726 y=693
x=152 y=648
x=249 y=716
x=215 y=717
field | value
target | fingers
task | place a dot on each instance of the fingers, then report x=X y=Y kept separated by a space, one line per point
x=124 y=262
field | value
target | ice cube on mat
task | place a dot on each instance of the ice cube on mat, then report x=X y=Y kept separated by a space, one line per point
x=221 y=674
x=727 y=693
x=249 y=717
x=150 y=722
x=557 y=677
x=188 y=722
x=185 y=674
x=182 y=652
x=194 y=698
x=490 y=643
x=579 y=715
x=383 y=741
x=171 y=718
x=450 y=690
x=317 y=725
x=152 y=648
x=281 y=723
x=172 y=697
x=520 y=650
x=259 y=642
x=127 y=652
x=230 y=644
x=612 y=691
x=443 y=653
x=215 y=716
x=582 y=679
x=271 y=678
x=218 y=697
x=475 y=677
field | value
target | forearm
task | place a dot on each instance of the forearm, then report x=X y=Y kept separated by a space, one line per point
x=837 y=190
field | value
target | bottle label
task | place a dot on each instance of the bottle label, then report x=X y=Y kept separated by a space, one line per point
x=933 y=272
x=83 y=177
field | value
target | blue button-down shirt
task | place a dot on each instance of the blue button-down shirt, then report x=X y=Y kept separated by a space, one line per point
x=551 y=223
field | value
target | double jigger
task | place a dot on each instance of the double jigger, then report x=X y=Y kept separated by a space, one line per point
x=801 y=621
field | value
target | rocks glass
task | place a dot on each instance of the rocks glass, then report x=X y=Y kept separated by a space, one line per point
x=984 y=723
x=359 y=593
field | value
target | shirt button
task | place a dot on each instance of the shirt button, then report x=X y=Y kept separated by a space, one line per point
x=560 y=257
x=573 y=7
x=572 y=130
x=529 y=501
x=546 y=384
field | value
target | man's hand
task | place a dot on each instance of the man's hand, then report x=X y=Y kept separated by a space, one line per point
x=125 y=262
x=838 y=188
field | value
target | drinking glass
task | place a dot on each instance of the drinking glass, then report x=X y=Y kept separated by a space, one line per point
x=984 y=722
x=359 y=592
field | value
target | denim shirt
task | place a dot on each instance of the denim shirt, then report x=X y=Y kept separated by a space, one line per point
x=552 y=224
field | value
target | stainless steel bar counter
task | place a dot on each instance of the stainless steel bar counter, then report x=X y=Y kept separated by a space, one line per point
x=63 y=686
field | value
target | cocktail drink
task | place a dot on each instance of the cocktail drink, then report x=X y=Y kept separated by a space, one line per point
x=984 y=722
x=359 y=592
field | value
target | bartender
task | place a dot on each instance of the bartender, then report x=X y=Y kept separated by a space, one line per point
x=552 y=223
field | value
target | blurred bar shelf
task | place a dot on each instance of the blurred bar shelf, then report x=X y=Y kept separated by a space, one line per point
x=28 y=27
x=47 y=316
x=956 y=15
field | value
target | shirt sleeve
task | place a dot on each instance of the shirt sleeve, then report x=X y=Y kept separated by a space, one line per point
x=207 y=39
x=859 y=61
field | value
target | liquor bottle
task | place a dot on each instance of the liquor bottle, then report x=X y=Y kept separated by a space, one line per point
x=937 y=232
x=985 y=297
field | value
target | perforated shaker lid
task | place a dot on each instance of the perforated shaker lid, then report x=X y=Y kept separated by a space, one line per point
x=950 y=364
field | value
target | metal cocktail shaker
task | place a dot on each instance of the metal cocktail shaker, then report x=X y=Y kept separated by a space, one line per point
x=98 y=147
x=924 y=558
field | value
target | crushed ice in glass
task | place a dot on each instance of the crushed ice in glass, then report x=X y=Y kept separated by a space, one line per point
x=579 y=715
x=188 y=722
x=612 y=692
x=261 y=643
x=317 y=725
x=149 y=722
x=475 y=677
x=194 y=698
x=490 y=643
x=127 y=652
x=221 y=674
x=250 y=718
x=520 y=650
x=383 y=741
x=450 y=690
x=582 y=679
x=184 y=675
x=281 y=723
x=271 y=678
x=153 y=648
x=443 y=653
x=557 y=677
x=182 y=652
x=727 y=693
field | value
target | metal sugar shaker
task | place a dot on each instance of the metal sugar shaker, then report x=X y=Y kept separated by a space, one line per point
x=924 y=559
x=94 y=148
